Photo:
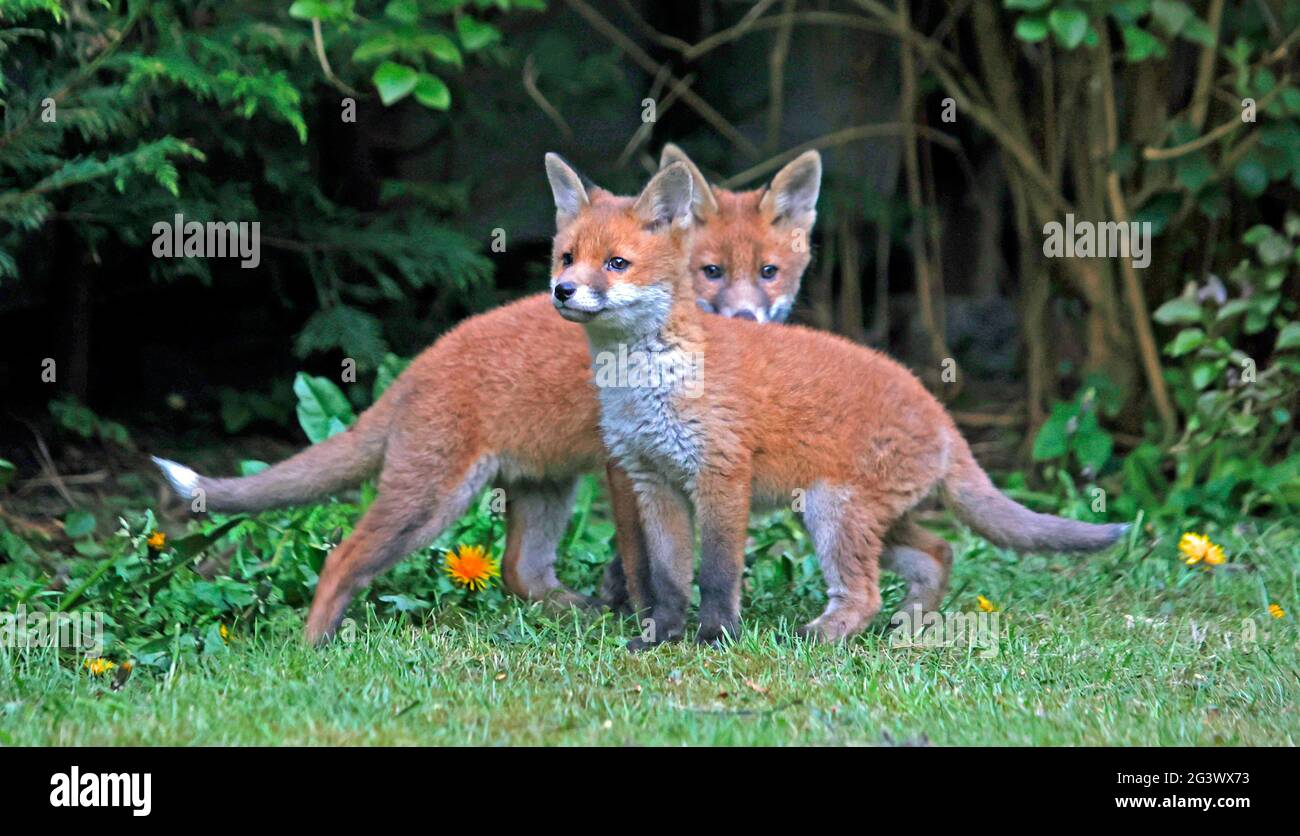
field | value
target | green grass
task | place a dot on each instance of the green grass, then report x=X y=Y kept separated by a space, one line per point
x=1124 y=648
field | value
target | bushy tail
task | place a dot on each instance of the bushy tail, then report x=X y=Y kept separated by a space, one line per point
x=1001 y=520
x=335 y=464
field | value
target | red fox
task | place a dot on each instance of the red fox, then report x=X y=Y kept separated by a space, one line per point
x=508 y=396
x=770 y=413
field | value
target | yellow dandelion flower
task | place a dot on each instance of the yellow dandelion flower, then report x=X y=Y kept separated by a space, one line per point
x=157 y=540
x=98 y=666
x=1193 y=547
x=1198 y=548
x=471 y=567
x=225 y=634
x=1276 y=611
x=985 y=604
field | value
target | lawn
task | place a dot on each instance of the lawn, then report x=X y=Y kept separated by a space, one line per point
x=1126 y=647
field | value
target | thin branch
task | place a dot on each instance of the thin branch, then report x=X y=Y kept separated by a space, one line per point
x=776 y=77
x=668 y=41
x=985 y=116
x=912 y=174
x=534 y=93
x=637 y=54
x=319 y=41
x=643 y=132
x=1214 y=135
x=1137 y=303
x=1205 y=67
x=729 y=34
x=841 y=137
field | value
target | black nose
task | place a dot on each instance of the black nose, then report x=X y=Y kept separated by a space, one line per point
x=564 y=290
x=745 y=315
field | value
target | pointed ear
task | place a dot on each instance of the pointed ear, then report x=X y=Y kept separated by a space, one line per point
x=792 y=197
x=667 y=198
x=566 y=186
x=706 y=205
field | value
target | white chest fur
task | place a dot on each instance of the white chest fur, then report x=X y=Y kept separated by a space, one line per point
x=641 y=387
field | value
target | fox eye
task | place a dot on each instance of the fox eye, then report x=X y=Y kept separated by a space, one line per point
x=617 y=264
x=566 y=259
x=712 y=271
x=768 y=272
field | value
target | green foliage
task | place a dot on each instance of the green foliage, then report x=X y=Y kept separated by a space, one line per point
x=1236 y=380
x=409 y=42
x=1123 y=613
x=1147 y=27
x=323 y=409
x=82 y=422
x=127 y=113
x=1234 y=376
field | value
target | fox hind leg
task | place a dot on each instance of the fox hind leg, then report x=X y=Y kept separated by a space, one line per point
x=409 y=513
x=924 y=561
x=848 y=542
x=537 y=515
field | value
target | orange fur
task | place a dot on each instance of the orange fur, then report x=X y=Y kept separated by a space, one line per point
x=504 y=397
x=784 y=414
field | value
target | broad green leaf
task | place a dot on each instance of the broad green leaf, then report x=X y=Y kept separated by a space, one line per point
x=1091 y=444
x=1273 y=250
x=1252 y=177
x=1194 y=170
x=431 y=92
x=1289 y=336
x=394 y=81
x=1052 y=440
x=1026 y=5
x=308 y=9
x=1188 y=339
x=1198 y=32
x=1031 y=29
x=441 y=47
x=78 y=524
x=1180 y=311
x=403 y=11
x=1171 y=15
x=191 y=545
x=405 y=603
x=1139 y=45
x=475 y=34
x=322 y=407
x=1127 y=12
x=374 y=47
x=1069 y=24
x=1204 y=373
x=1234 y=307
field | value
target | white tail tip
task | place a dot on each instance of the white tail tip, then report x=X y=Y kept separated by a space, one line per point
x=182 y=479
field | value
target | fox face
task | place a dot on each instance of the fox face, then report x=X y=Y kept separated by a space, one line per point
x=616 y=260
x=751 y=248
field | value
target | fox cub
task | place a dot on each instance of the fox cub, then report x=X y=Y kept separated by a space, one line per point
x=742 y=411
x=466 y=414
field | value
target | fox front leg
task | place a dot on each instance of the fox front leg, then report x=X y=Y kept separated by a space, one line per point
x=666 y=517
x=722 y=506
